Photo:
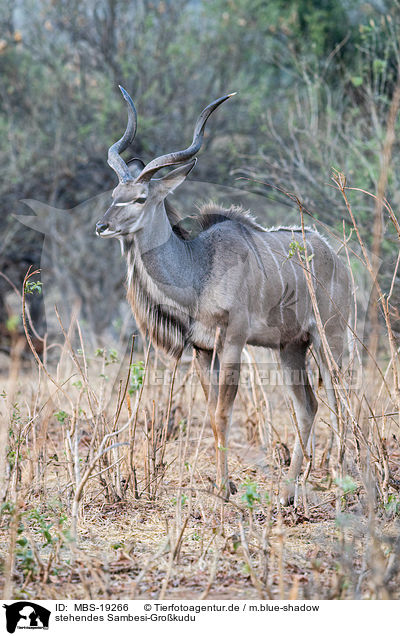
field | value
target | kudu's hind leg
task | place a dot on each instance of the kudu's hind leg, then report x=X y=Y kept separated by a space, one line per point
x=336 y=344
x=293 y=359
x=333 y=415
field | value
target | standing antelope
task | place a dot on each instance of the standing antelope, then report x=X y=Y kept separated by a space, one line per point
x=235 y=276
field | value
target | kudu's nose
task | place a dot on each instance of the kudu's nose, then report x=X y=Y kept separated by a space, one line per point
x=100 y=227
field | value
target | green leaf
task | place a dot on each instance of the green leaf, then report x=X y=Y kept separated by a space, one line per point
x=32 y=286
x=356 y=80
x=346 y=484
x=61 y=416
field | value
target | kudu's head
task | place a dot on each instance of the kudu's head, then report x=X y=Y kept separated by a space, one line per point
x=137 y=191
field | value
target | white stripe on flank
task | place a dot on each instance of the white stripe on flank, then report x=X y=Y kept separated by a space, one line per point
x=332 y=284
x=278 y=267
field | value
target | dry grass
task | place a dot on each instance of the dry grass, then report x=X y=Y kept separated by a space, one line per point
x=182 y=539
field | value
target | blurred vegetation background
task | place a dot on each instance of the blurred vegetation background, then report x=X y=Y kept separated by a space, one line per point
x=318 y=82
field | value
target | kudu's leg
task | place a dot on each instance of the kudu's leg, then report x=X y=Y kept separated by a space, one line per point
x=203 y=363
x=293 y=359
x=332 y=404
x=335 y=342
x=209 y=382
x=219 y=409
x=228 y=385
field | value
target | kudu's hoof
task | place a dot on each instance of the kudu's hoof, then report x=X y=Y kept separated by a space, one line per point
x=287 y=496
x=232 y=487
x=287 y=500
x=227 y=490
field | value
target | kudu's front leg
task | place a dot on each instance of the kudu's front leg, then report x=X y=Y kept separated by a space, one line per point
x=206 y=367
x=207 y=370
x=228 y=385
x=220 y=388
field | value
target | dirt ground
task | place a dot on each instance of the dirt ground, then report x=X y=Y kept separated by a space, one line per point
x=180 y=540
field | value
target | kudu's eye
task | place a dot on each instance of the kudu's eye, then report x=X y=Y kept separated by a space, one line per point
x=121 y=204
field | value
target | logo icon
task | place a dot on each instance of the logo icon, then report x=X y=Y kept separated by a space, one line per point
x=26 y=615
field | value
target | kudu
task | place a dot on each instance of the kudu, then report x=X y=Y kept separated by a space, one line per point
x=234 y=278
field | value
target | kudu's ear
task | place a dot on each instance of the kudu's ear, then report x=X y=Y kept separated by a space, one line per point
x=135 y=167
x=174 y=179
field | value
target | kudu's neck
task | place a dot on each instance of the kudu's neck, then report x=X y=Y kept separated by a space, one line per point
x=164 y=258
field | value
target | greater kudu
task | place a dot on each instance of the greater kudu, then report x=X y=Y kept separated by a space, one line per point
x=234 y=278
